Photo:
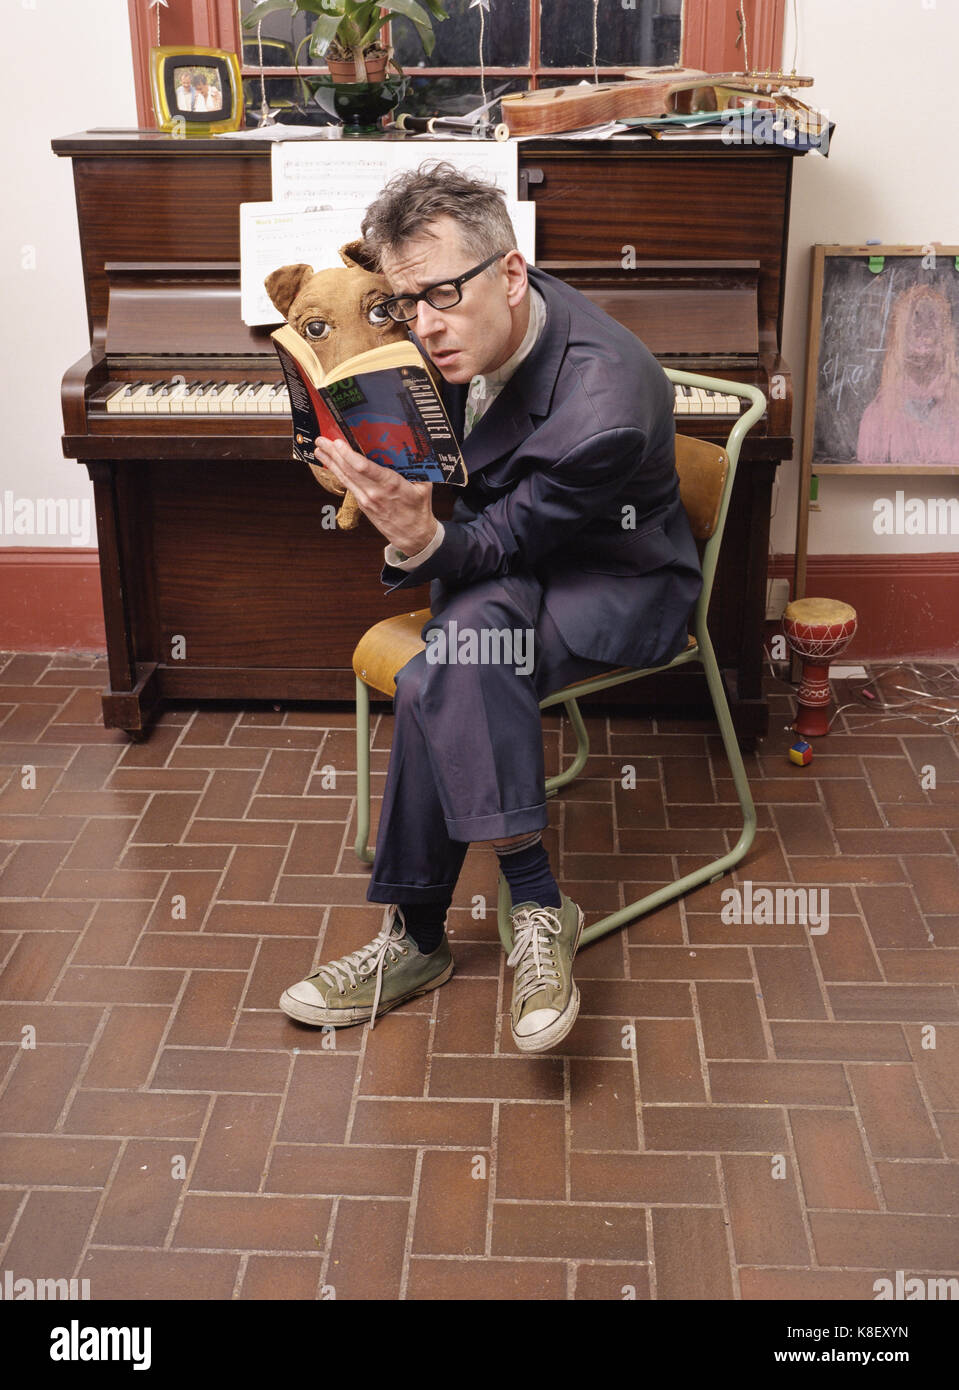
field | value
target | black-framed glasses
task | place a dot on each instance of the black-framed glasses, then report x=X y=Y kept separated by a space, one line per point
x=444 y=295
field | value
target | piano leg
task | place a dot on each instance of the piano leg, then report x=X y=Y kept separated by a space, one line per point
x=130 y=700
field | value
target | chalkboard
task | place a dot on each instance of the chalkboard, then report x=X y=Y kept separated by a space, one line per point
x=887 y=381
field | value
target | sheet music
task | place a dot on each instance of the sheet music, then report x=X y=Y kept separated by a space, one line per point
x=278 y=234
x=357 y=170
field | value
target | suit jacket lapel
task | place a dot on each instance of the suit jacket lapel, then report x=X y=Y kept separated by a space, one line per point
x=525 y=398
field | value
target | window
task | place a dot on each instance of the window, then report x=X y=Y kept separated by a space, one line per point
x=527 y=43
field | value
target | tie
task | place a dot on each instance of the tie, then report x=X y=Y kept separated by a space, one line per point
x=475 y=403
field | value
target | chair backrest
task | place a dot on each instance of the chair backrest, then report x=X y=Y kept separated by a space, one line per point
x=703 y=469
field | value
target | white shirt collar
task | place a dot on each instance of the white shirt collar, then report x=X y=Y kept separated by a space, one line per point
x=499 y=376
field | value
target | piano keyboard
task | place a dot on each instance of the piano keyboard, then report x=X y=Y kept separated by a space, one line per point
x=179 y=397
x=690 y=400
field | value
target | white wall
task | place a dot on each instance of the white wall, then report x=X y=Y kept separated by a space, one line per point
x=885 y=71
x=67 y=67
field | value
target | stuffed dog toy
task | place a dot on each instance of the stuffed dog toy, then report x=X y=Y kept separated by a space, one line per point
x=336 y=312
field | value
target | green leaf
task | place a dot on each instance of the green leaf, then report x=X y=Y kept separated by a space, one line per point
x=324 y=32
x=417 y=16
x=264 y=8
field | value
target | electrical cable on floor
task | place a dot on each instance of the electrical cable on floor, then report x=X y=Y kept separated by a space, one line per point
x=926 y=698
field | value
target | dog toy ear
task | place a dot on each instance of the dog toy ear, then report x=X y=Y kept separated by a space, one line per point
x=357 y=254
x=284 y=285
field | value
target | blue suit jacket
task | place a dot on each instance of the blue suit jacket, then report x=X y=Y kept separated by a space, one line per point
x=580 y=441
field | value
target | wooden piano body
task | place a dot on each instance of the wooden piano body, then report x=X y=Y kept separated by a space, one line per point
x=222 y=577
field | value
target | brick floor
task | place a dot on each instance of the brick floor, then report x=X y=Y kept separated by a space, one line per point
x=743 y=1111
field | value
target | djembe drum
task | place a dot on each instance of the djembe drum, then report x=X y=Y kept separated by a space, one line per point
x=817 y=629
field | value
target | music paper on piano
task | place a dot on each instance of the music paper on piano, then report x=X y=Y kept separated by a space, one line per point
x=277 y=234
x=273 y=235
x=321 y=170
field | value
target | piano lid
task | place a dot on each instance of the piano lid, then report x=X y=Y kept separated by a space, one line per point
x=181 y=308
x=677 y=308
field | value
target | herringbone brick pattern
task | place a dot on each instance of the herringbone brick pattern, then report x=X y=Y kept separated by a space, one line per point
x=744 y=1110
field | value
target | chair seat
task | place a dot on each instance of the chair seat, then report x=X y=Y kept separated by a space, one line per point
x=386 y=647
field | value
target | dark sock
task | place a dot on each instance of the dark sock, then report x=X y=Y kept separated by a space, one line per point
x=425 y=923
x=525 y=867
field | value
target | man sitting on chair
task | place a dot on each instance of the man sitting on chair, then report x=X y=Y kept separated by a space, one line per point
x=570 y=533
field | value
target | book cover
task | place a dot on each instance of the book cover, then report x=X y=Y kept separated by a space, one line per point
x=382 y=402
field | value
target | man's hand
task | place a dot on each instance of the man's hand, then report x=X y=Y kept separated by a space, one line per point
x=400 y=510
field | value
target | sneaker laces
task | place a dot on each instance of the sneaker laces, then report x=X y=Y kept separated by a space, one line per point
x=533 y=931
x=358 y=966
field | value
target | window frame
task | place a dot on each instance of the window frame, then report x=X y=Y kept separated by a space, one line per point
x=710 y=32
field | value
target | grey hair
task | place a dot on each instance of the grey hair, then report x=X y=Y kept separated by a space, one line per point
x=414 y=199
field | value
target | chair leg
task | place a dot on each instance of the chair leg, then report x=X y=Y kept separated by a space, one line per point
x=582 y=750
x=708 y=872
x=363 y=852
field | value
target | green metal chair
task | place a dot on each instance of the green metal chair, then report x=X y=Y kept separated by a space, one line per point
x=706 y=475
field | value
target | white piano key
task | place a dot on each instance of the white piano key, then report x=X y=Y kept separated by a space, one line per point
x=133 y=404
x=280 y=401
x=260 y=404
x=202 y=397
x=218 y=396
x=115 y=397
x=189 y=398
x=172 y=402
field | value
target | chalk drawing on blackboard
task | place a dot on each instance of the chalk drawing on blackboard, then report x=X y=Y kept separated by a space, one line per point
x=888 y=380
x=914 y=416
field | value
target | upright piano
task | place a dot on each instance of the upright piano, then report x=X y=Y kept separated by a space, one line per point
x=223 y=576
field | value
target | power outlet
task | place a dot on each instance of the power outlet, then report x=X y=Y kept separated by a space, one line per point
x=777 y=597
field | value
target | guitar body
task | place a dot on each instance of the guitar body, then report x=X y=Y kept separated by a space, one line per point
x=643 y=92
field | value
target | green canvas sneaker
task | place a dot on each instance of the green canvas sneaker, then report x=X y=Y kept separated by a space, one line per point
x=377 y=977
x=545 y=997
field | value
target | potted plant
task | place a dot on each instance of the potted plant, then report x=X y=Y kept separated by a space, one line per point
x=346 y=33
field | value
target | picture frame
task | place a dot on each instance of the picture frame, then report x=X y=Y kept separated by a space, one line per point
x=196 y=91
x=882 y=368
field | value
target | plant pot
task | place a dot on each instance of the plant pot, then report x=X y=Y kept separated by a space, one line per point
x=343 y=71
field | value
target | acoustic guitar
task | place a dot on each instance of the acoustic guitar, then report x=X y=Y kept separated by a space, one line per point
x=649 y=92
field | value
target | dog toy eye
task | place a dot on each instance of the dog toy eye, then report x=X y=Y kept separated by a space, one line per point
x=317 y=329
x=378 y=316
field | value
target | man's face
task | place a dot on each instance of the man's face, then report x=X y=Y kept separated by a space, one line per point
x=486 y=327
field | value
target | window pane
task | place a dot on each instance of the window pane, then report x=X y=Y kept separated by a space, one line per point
x=505 y=43
x=454 y=96
x=645 y=33
x=281 y=32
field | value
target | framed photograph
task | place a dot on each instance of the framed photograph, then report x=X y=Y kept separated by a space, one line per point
x=882 y=389
x=196 y=90
x=882 y=368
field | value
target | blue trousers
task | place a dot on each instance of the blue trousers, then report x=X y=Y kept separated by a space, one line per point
x=467 y=756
